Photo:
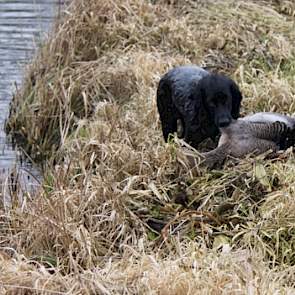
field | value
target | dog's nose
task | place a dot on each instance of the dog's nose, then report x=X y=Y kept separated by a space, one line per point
x=224 y=122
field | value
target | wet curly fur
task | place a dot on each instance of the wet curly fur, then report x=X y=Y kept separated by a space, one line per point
x=202 y=101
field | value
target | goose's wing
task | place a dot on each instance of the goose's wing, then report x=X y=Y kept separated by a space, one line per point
x=269 y=131
x=277 y=132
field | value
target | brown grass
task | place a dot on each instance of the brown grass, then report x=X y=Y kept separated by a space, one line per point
x=120 y=212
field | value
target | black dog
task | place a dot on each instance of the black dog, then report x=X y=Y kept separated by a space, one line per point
x=202 y=101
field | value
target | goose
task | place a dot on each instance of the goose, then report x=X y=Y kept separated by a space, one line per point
x=253 y=134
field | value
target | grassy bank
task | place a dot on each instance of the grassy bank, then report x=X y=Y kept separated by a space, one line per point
x=120 y=212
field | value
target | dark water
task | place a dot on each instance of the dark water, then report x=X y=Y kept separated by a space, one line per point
x=23 y=25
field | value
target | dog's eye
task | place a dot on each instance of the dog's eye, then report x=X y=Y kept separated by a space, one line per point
x=221 y=98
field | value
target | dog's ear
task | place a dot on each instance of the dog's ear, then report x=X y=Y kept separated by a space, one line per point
x=236 y=100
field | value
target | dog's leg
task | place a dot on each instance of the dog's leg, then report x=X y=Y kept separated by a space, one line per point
x=169 y=127
x=193 y=135
x=166 y=108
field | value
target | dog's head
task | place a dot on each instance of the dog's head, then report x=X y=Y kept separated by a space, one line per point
x=221 y=99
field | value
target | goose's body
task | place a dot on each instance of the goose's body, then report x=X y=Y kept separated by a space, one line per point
x=255 y=134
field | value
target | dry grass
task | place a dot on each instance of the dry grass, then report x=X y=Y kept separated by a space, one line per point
x=195 y=271
x=120 y=212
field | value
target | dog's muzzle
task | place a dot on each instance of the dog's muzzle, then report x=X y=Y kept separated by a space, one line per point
x=224 y=122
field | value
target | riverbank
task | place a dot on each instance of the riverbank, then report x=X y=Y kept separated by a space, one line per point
x=87 y=112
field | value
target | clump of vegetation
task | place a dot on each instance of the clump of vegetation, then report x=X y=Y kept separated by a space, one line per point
x=120 y=211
